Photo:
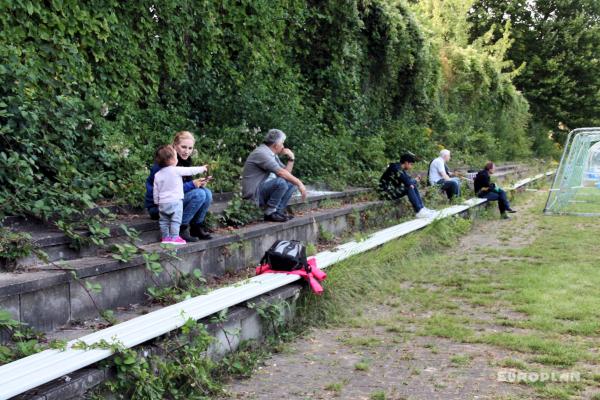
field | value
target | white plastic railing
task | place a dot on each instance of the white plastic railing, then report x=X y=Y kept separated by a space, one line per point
x=27 y=373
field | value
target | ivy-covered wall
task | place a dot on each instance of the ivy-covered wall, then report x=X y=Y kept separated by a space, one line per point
x=88 y=90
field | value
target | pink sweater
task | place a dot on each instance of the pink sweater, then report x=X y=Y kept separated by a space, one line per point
x=168 y=185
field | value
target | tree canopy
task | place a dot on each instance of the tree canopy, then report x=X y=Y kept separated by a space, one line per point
x=558 y=44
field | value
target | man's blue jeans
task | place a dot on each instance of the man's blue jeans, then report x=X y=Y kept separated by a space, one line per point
x=195 y=206
x=275 y=194
x=451 y=187
x=415 y=198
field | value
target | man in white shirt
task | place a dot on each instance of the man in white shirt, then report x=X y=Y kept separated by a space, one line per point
x=439 y=174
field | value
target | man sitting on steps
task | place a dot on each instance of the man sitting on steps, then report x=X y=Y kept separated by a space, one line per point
x=267 y=181
x=440 y=175
x=396 y=183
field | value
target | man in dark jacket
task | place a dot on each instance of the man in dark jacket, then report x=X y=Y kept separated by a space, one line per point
x=485 y=189
x=396 y=183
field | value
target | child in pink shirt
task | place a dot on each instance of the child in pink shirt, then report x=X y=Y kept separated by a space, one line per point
x=168 y=193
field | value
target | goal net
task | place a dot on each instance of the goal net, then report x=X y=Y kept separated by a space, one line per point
x=576 y=187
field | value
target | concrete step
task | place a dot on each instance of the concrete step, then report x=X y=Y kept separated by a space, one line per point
x=243 y=318
x=12 y=221
x=57 y=246
x=47 y=298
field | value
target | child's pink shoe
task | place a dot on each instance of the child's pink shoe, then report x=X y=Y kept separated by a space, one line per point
x=166 y=240
x=177 y=240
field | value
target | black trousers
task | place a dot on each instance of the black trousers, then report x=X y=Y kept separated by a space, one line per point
x=499 y=195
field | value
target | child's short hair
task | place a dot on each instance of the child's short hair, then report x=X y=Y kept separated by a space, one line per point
x=164 y=154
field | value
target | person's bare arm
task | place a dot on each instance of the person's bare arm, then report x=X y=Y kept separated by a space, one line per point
x=287 y=175
x=290 y=164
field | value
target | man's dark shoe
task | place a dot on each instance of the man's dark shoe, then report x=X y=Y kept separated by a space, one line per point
x=510 y=210
x=275 y=217
x=288 y=213
x=198 y=231
x=288 y=216
x=184 y=232
x=204 y=235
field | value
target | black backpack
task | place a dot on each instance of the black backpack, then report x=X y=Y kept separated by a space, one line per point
x=286 y=255
x=390 y=185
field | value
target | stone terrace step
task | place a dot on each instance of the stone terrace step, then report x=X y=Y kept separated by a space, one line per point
x=57 y=245
x=46 y=298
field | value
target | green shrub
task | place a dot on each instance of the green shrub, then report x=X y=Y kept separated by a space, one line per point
x=90 y=90
x=13 y=245
x=240 y=212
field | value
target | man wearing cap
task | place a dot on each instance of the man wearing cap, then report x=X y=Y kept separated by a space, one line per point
x=439 y=174
x=396 y=182
x=269 y=182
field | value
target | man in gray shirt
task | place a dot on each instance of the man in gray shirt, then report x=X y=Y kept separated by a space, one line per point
x=267 y=181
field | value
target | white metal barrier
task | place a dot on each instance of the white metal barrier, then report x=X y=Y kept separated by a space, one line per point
x=27 y=373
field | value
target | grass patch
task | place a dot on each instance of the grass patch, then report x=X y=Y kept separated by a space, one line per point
x=447 y=327
x=336 y=387
x=532 y=290
x=362 y=341
x=460 y=360
x=378 y=395
x=548 y=351
x=513 y=363
x=379 y=274
x=362 y=365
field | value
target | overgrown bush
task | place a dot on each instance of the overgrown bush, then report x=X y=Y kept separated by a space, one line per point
x=13 y=245
x=240 y=212
x=89 y=90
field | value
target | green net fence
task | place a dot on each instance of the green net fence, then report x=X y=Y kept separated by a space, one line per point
x=576 y=187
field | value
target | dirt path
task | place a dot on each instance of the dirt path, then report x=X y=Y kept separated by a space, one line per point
x=386 y=358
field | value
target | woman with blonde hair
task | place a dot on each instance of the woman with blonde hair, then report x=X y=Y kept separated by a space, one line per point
x=197 y=197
